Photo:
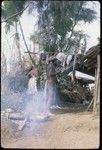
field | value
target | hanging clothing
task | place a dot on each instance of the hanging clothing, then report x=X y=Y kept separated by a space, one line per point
x=61 y=57
x=69 y=58
x=64 y=59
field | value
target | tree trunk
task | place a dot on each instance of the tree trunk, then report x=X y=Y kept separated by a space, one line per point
x=68 y=45
x=3 y=65
x=33 y=46
x=25 y=42
x=18 y=44
x=23 y=35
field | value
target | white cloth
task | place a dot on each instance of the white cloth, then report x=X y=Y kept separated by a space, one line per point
x=62 y=57
x=32 y=85
x=69 y=58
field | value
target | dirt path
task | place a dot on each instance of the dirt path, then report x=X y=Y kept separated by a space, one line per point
x=68 y=130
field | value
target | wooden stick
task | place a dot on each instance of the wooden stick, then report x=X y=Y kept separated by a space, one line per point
x=46 y=53
x=90 y=104
x=23 y=123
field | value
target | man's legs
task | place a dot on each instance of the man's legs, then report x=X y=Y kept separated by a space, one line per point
x=49 y=97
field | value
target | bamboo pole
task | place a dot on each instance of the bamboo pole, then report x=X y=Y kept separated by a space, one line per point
x=95 y=90
x=96 y=85
x=96 y=97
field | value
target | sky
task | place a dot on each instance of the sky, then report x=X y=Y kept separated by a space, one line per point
x=28 y=23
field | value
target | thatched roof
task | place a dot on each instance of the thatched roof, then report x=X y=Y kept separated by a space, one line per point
x=91 y=57
x=87 y=63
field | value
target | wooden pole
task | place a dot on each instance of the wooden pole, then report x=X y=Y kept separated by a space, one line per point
x=90 y=104
x=74 y=65
x=96 y=85
x=94 y=103
x=73 y=75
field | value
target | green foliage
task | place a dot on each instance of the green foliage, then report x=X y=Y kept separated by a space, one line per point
x=60 y=27
x=87 y=15
x=57 y=20
x=19 y=5
x=9 y=9
x=35 y=37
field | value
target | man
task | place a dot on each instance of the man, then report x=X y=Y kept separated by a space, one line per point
x=32 y=93
x=50 y=89
x=32 y=85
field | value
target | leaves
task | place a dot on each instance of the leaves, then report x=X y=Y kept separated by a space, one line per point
x=87 y=15
x=60 y=18
x=8 y=9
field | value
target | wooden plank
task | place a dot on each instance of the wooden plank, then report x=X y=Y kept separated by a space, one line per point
x=16 y=116
x=96 y=83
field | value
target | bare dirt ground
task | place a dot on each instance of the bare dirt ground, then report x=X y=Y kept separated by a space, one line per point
x=67 y=130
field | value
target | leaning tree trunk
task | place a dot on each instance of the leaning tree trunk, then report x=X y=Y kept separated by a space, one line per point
x=18 y=45
x=23 y=35
x=26 y=43
x=16 y=60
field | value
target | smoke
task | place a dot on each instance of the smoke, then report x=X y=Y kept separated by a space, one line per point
x=30 y=106
x=35 y=104
x=33 y=107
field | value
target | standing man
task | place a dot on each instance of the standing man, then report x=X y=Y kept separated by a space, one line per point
x=32 y=84
x=50 y=85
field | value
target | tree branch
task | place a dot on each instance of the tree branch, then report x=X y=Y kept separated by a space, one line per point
x=16 y=14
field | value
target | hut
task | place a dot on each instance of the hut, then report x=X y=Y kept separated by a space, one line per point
x=89 y=64
x=92 y=62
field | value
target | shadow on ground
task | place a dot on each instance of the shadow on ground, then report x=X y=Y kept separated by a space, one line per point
x=67 y=107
